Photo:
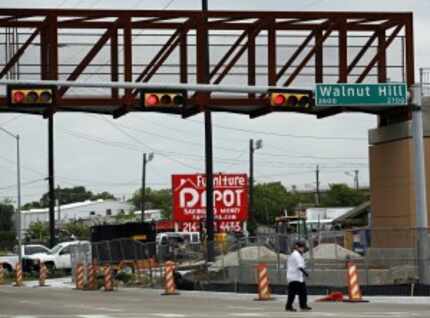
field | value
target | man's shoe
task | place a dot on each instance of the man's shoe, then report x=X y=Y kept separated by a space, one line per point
x=307 y=308
x=290 y=309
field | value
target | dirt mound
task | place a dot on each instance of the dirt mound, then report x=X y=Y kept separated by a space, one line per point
x=332 y=251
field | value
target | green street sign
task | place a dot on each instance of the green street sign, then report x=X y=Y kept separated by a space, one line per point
x=392 y=94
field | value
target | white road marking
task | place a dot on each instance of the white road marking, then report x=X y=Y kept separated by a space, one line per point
x=246 y=308
x=94 y=316
x=30 y=302
x=247 y=314
x=168 y=315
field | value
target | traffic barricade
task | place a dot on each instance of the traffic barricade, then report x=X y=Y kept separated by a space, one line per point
x=354 y=291
x=18 y=275
x=169 y=279
x=80 y=276
x=263 y=283
x=108 y=279
x=91 y=277
x=43 y=274
x=1 y=274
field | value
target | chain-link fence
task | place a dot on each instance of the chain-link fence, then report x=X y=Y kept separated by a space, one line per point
x=383 y=257
x=425 y=81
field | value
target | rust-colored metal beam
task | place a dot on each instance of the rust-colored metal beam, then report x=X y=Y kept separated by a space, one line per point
x=114 y=62
x=382 y=58
x=228 y=54
x=87 y=60
x=409 y=47
x=319 y=62
x=372 y=63
x=343 y=52
x=18 y=53
x=187 y=26
x=308 y=56
x=271 y=56
x=251 y=62
x=362 y=51
x=237 y=56
x=294 y=56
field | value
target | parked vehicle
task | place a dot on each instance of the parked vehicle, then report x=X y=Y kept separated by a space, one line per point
x=174 y=245
x=9 y=261
x=58 y=258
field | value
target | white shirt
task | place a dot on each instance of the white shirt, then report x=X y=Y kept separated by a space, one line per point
x=295 y=261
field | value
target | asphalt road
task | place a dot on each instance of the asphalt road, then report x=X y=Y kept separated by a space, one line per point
x=48 y=302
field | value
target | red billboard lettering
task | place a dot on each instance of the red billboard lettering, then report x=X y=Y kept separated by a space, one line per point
x=230 y=197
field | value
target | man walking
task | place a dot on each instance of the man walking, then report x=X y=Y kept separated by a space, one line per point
x=295 y=277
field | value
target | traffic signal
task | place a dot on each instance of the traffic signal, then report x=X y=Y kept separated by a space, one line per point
x=163 y=98
x=294 y=99
x=29 y=95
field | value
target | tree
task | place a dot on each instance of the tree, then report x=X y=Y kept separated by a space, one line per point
x=37 y=231
x=156 y=199
x=69 y=195
x=271 y=200
x=75 y=229
x=6 y=217
x=340 y=194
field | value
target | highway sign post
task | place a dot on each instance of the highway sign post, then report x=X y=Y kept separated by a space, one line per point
x=344 y=95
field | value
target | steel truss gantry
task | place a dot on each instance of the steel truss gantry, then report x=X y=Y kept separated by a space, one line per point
x=281 y=49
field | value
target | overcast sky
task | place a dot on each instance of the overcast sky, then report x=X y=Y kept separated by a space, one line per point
x=105 y=154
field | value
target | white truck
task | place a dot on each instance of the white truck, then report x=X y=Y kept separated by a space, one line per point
x=9 y=261
x=59 y=256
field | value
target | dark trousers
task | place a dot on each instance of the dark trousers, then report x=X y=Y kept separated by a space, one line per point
x=297 y=288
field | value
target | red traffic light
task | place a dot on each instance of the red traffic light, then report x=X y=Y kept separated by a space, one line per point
x=291 y=98
x=279 y=100
x=18 y=97
x=161 y=98
x=152 y=100
x=32 y=95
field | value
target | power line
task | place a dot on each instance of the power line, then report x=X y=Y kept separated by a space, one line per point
x=267 y=133
x=150 y=147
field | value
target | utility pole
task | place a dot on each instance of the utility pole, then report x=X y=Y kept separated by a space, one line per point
x=51 y=180
x=208 y=150
x=420 y=186
x=317 y=182
x=357 y=186
x=142 y=191
x=252 y=148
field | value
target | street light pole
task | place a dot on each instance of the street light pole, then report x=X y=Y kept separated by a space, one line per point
x=18 y=201
x=142 y=193
x=208 y=151
x=252 y=148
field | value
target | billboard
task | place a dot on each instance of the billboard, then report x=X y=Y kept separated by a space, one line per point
x=230 y=199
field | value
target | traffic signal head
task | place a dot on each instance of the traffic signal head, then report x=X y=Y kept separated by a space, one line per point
x=163 y=98
x=25 y=95
x=299 y=99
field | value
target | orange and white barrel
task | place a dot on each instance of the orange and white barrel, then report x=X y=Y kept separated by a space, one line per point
x=263 y=283
x=18 y=273
x=107 y=273
x=169 y=278
x=80 y=276
x=353 y=285
x=43 y=274
x=1 y=274
x=92 y=276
